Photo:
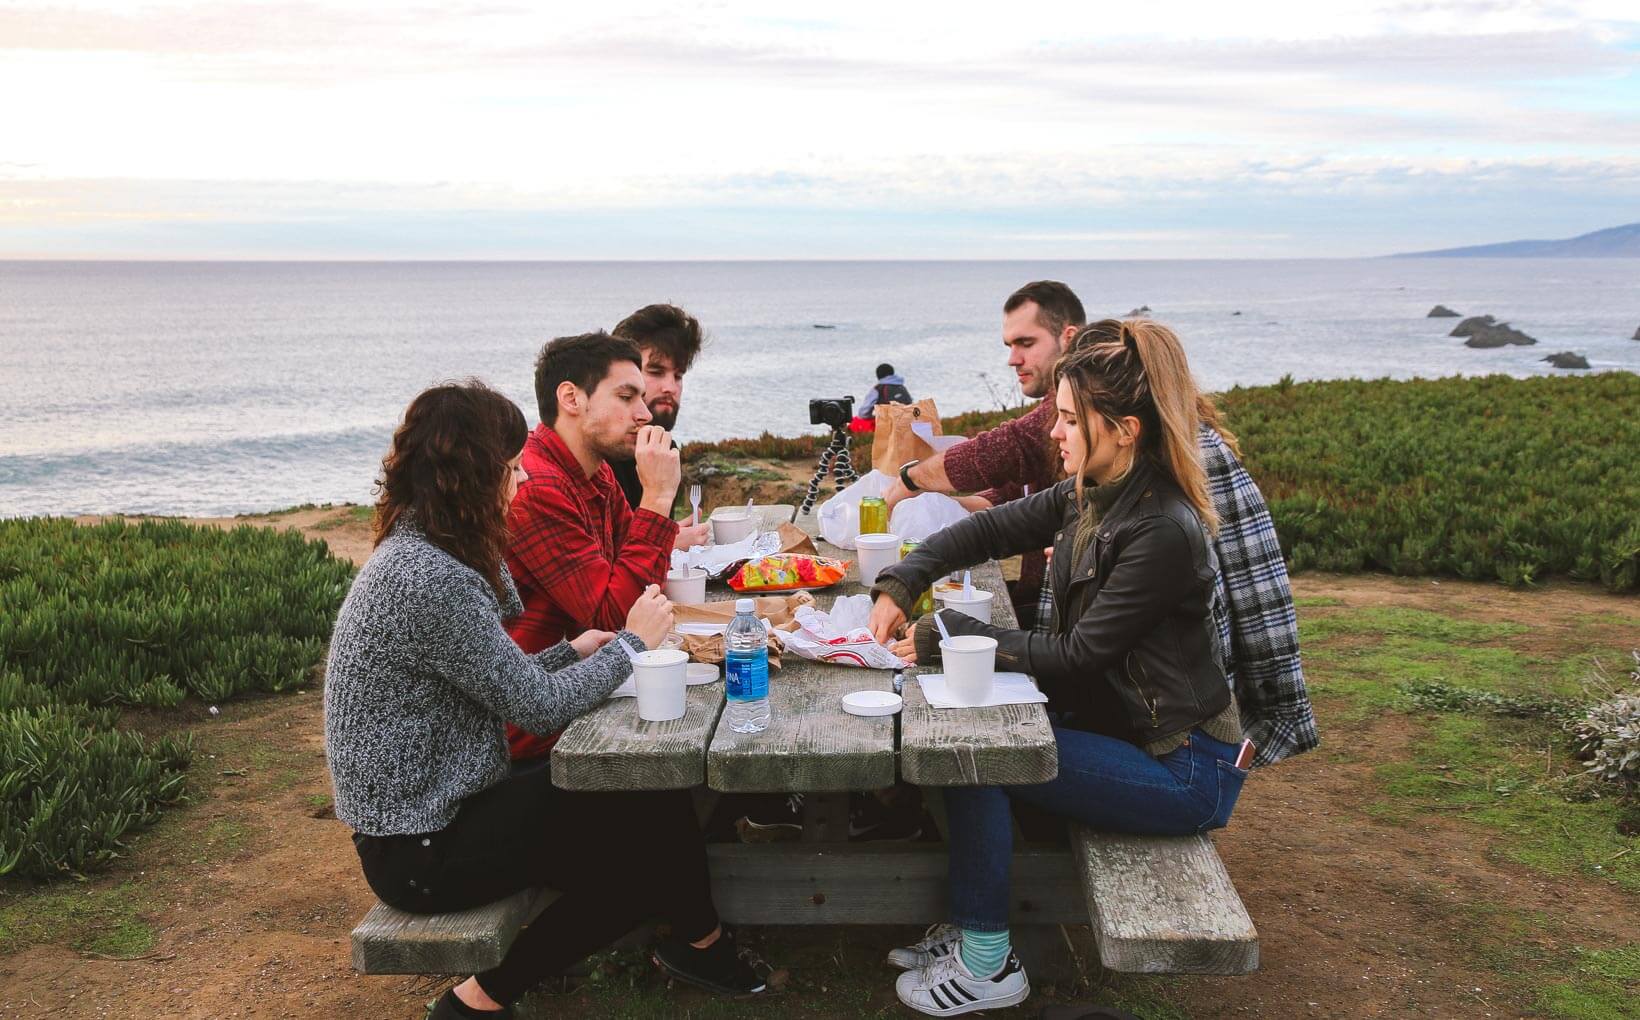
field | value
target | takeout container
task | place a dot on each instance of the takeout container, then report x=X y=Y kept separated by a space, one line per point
x=687 y=588
x=731 y=524
x=970 y=666
x=979 y=606
x=659 y=676
x=877 y=553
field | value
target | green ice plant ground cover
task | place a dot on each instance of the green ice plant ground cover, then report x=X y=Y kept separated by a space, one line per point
x=1488 y=478
x=1480 y=478
x=98 y=619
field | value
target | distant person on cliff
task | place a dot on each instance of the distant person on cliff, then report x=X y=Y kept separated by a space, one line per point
x=668 y=340
x=419 y=679
x=1253 y=601
x=889 y=389
x=580 y=555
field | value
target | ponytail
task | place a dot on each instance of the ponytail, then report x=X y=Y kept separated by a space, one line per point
x=1178 y=410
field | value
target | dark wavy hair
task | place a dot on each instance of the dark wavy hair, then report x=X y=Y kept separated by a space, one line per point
x=666 y=328
x=447 y=471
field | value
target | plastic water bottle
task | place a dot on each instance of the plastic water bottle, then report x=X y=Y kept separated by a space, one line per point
x=747 y=679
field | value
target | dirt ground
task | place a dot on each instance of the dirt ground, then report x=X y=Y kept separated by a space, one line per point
x=1357 y=917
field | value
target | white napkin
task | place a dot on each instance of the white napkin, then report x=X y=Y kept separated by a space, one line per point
x=1006 y=689
x=629 y=689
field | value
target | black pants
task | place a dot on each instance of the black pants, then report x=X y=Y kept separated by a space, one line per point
x=616 y=859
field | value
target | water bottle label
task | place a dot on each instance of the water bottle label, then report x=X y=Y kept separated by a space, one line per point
x=748 y=677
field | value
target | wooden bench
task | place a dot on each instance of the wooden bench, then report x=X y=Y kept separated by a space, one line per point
x=1156 y=905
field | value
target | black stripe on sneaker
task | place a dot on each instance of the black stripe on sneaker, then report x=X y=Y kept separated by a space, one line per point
x=952 y=986
x=934 y=993
x=940 y=949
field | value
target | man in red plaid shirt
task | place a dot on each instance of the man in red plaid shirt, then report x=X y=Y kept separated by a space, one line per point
x=580 y=555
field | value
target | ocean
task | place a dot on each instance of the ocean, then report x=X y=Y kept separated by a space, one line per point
x=237 y=387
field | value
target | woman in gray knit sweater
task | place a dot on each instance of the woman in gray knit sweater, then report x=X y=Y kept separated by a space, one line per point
x=420 y=682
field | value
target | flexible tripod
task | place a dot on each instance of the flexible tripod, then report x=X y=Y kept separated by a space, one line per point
x=834 y=460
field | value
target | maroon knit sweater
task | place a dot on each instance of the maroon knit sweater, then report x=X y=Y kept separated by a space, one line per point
x=995 y=464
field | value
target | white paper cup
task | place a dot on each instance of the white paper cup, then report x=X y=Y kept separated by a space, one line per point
x=970 y=666
x=877 y=553
x=731 y=524
x=687 y=588
x=659 y=677
x=979 y=607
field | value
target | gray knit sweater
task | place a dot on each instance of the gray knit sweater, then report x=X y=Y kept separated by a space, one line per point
x=422 y=679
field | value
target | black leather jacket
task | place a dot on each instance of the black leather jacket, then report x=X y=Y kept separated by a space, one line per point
x=1131 y=651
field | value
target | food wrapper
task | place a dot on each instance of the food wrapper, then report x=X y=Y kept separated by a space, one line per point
x=710 y=647
x=786 y=572
x=779 y=610
x=840 y=636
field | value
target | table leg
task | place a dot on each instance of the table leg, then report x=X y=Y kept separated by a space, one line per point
x=825 y=818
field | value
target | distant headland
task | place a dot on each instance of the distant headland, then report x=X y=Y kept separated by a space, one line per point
x=1611 y=243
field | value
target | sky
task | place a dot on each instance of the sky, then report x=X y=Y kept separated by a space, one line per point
x=495 y=130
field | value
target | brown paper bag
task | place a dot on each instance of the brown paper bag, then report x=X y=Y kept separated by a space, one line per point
x=894 y=443
x=710 y=648
x=779 y=610
x=795 y=540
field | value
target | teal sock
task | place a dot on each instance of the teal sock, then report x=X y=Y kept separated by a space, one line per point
x=984 y=951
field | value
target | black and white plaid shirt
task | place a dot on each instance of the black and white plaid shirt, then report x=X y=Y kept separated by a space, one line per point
x=1252 y=612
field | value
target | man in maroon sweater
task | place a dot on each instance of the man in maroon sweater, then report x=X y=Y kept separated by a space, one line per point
x=1038 y=322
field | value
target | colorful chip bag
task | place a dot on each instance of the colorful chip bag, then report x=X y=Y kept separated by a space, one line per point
x=787 y=571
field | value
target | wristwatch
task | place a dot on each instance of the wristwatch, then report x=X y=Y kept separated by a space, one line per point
x=905 y=475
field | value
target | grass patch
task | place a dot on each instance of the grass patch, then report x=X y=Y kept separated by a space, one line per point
x=1604 y=984
x=1513 y=776
x=106 y=921
x=1316 y=601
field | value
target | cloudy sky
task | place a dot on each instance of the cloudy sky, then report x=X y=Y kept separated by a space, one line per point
x=1171 y=128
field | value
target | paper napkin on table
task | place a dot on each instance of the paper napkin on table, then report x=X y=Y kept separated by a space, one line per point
x=1006 y=689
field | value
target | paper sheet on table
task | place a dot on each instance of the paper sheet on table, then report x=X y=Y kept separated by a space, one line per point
x=1006 y=689
x=839 y=636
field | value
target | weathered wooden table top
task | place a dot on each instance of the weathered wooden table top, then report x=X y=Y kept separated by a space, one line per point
x=811 y=744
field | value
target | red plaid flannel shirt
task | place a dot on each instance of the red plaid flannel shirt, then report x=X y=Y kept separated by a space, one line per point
x=580 y=556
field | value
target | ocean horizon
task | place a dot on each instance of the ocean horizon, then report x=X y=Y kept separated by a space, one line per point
x=222 y=387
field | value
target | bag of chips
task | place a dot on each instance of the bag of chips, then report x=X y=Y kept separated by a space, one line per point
x=787 y=571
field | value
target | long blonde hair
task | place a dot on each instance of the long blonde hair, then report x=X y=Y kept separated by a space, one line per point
x=1136 y=367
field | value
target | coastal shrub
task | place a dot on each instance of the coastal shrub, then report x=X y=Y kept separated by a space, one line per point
x=71 y=788
x=149 y=613
x=1608 y=736
x=97 y=619
x=1481 y=478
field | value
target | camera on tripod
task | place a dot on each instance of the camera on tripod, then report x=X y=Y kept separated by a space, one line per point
x=834 y=459
x=834 y=412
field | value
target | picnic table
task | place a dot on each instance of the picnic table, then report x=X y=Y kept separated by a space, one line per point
x=1155 y=904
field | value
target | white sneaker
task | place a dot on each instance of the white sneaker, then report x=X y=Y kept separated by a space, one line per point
x=946 y=988
x=938 y=942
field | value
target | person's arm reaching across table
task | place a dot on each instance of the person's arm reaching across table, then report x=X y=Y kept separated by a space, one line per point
x=1015 y=452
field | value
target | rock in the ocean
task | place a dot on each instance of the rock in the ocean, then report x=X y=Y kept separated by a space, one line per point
x=1468 y=326
x=1498 y=335
x=1567 y=359
x=1441 y=312
x=1637 y=332
x=1138 y=313
x=1235 y=313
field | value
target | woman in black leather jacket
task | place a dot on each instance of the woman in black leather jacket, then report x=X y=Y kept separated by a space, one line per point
x=1148 y=729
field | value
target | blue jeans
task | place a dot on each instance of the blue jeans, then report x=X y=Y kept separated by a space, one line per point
x=1103 y=783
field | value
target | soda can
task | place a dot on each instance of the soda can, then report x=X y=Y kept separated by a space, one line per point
x=925 y=601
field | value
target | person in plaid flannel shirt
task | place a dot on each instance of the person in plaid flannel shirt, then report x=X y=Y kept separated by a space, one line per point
x=1252 y=607
x=580 y=555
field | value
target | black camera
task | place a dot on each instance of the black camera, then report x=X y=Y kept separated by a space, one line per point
x=832 y=411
